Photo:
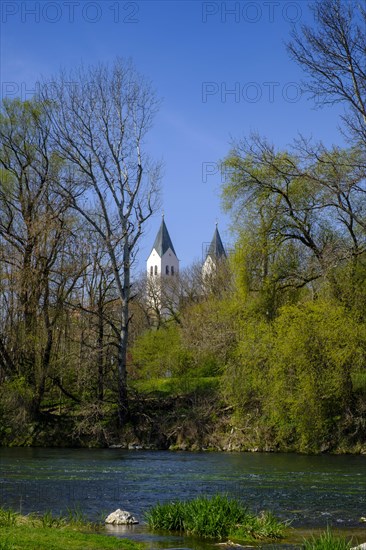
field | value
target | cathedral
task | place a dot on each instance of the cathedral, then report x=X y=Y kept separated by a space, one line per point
x=163 y=259
x=163 y=267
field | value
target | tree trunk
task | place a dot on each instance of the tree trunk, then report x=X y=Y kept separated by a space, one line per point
x=123 y=409
x=100 y=344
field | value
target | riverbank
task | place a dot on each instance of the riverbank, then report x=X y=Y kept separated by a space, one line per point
x=30 y=532
x=197 y=421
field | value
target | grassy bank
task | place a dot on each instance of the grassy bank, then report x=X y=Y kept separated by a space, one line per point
x=46 y=532
x=217 y=518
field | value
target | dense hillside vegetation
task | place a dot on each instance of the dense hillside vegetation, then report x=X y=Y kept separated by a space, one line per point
x=268 y=352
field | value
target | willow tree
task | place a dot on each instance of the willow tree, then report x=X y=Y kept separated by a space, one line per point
x=100 y=117
x=299 y=213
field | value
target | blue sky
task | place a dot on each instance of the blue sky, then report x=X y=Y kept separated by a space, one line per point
x=221 y=69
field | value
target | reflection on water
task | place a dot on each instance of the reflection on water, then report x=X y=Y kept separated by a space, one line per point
x=310 y=491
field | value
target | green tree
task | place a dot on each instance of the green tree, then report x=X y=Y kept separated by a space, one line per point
x=273 y=202
x=298 y=214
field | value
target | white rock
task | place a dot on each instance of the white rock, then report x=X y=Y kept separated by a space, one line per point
x=121 y=517
x=360 y=547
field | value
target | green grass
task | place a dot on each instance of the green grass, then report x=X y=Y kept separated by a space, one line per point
x=326 y=541
x=216 y=518
x=55 y=533
x=8 y=518
x=65 y=538
x=176 y=386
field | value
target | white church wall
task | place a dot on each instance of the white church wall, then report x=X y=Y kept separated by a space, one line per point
x=169 y=264
x=208 y=268
x=158 y=266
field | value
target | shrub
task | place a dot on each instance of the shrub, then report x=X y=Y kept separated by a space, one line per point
x=160 y=353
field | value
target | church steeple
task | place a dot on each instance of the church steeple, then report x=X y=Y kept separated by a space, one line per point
x=215 y=253
x=163 y=258
x=216 y=249
x=162 y=270
x=163 y=240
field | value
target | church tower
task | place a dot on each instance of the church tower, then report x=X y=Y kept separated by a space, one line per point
x=215 y=254
x=162 y=271
x=163 y=259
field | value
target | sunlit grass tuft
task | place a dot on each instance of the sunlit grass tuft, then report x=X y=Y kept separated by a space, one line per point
x=326 y=541
x=218 y=517
x=264 y=526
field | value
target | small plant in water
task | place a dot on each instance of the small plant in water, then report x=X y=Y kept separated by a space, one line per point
x=217 y=518
x=326 y=541
x=264 y=526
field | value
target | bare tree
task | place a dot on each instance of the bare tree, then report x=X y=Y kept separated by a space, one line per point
x=333 y=54
x=100 y=118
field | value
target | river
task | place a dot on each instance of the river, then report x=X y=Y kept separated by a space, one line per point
x=309 y=491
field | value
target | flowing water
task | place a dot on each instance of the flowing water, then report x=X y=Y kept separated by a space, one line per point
x=310 y=491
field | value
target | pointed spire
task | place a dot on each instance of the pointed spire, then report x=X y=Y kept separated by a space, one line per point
x=216 y=249
x=163 y=240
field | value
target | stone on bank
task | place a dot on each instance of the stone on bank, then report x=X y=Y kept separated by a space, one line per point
x=121 y=517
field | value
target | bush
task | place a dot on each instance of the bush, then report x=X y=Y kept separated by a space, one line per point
x=298 y=373
x=316 y=348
